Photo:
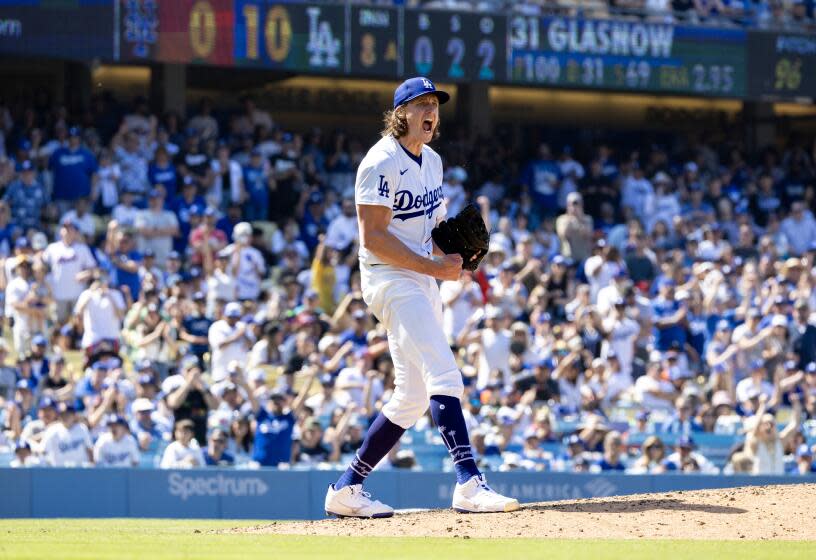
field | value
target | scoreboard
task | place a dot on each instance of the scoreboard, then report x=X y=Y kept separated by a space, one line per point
x=783 y=66
x=623 y=55
x=455 y=46
x=347 y=39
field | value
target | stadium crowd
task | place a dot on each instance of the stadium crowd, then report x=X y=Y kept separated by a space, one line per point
x=775 y=14
x=184 y=292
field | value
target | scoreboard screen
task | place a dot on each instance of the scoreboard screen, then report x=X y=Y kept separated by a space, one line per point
x=455 y=46
x=392 y=43
x=375 y=46
x=82 y=29
x=783 y=66
x=623 y=55
x=297 y=37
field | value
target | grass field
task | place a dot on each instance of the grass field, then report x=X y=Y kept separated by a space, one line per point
x=159 y=539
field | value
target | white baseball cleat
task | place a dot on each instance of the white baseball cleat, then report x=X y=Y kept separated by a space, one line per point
x=475 y=496
x=352 y=501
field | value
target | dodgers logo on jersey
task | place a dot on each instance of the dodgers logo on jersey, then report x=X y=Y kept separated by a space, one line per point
x=418 y=205
x=383 y=188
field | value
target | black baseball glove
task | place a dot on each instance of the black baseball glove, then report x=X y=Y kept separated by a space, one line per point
x=465 y=234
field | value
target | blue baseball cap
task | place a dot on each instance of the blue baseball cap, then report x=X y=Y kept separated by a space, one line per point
x=39 y=340
x=116 y=419
x=757 y=364
x=48 y=402
x=209 y=212
x=155 y=193
x=146 y=379
x=68 y=221
x=65 y=408
x=574 y=439
x=548 y=363
x=685 y=441
x=73 y=131
x=811 y=367
x=25 y=166
x=803 y=451
x=100 y=365
x=174 y=255
x=23 y=384
x=415 y=87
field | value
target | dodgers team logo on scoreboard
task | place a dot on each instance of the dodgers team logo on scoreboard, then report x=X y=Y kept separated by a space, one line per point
x=290 y=36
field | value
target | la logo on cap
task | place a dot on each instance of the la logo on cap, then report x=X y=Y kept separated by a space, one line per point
x=427 y=83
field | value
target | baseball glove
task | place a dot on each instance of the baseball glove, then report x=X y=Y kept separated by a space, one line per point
x=465 y=234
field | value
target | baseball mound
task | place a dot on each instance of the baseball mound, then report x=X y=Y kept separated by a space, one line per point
x=753 y=513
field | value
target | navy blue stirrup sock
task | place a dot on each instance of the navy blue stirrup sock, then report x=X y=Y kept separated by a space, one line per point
x=380 y=438
x=447 y=414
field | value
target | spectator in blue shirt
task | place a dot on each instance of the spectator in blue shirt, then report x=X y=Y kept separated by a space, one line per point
x=669 y=317
x=314 y=221
x=358 y=333
x=216 y=454
x=804 y=464
x=188 y=207
x=195 y=327
x=275 y=424
x=74 y=171
x=613 y=449
x=161 y=171
x=256 y=183
x=542 y=176
x=26 y=197
x=124 y=261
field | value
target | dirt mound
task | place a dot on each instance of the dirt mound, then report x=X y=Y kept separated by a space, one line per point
x=753 y=513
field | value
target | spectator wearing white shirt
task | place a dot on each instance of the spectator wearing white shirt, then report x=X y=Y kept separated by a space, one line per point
x=638 y=193
x=246 y=263
x=117 y=447
x=461 y=298
x=101 y=310
x=125 y=213
x=71 y=264
x=228 y=186
x=453 y=191
x=81 y=216
x=755 y=384
x=343 y=229
x=23 y=457
x=685 y=459
x=221 y=285
x=185 y=452
x=495 y=341
x=156 y=227
x=18 y=304
x=799 y=228
x=67 y=443
x=229 y=340
x=622 y=332
x=653 y=392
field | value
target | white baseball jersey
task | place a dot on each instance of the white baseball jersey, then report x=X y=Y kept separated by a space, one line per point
x=108 y=452
x=390 y=176
x=64 y=447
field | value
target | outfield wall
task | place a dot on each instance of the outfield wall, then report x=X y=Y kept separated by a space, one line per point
x=273 y=494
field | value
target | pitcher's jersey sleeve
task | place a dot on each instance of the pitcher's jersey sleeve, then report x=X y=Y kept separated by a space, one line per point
x=376 y=179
